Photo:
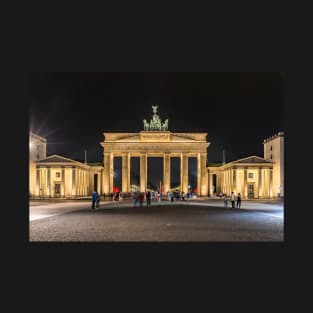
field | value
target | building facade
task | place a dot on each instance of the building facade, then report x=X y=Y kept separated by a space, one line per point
x=156 y=143
x=58 y=177
x=274 y=152
x=253 y=177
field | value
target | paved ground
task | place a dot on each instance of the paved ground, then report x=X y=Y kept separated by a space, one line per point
x=197 y=220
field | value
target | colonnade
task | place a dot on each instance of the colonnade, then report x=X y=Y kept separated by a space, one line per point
x=72 y=181
x=236 y=180
x=108 y=174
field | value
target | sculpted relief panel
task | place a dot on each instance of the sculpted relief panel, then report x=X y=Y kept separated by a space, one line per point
x=156 y=148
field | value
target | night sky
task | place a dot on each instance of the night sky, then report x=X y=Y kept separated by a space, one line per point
x=237 y=110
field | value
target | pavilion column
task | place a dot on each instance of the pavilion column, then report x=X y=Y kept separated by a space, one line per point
x=166 y=172
x=263 y=183
x=111 y=175
x=125 y=172
x=198 y=173
x=73 y=182
x=245 y=187
x=267 y=182
x=143 y=172
x=86 y=180
x=204 y=175
x=106 y=173
x=91 y=183
x=260 y=183
x=99 y=183
x=82 y=181
x=63 y=182
x=102 y=181
x=184 y=172
x=128 y=172
x=78 y=182
x=230 y=181
x=210 y=184
x=271 y=183
x=49 y=181
x=37 y=181
x=234 y=189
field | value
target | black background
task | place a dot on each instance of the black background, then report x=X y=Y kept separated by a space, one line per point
x=232 y=276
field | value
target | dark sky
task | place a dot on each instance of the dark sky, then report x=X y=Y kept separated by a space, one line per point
x=237 y=110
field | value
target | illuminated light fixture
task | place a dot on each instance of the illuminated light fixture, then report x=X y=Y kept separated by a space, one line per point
x=30 y=145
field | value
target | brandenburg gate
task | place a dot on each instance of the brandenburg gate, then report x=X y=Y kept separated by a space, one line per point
x=155 y=141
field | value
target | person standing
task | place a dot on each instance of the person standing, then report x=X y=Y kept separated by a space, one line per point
x=97 y=200
x=148 y=198
x=141 y=198
x=94 y=199
x=183 y=196
x=238 y=201
x=168 y=196
x=232 y=199
x=159 y=196
x=225 y=200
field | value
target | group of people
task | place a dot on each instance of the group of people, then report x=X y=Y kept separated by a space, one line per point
x=233 y=199
x=176 y=195
x=140 y=197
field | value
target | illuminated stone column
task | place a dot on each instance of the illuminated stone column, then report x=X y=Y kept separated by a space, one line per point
x=245 y=187
x=230 y=181
x=125 y=173
x=99 y=183
x=128 y=172
x=231 y=186
x=73 y=182
x=210 y=184
x=198 y=173
x=266 y=189
x=48 y=181
x=78 y=182
x=63 y=182
x=218 y=183
x=84 y=182
x=204 y=175
x=91 y=183
x=271 y=183
x=166 y=172
x=143 y=172
x=234 y=189
x=106 y=173
x=184 y=172
x=42 y=182
x=260 y=183
x=37 y=181
x=111 y=172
